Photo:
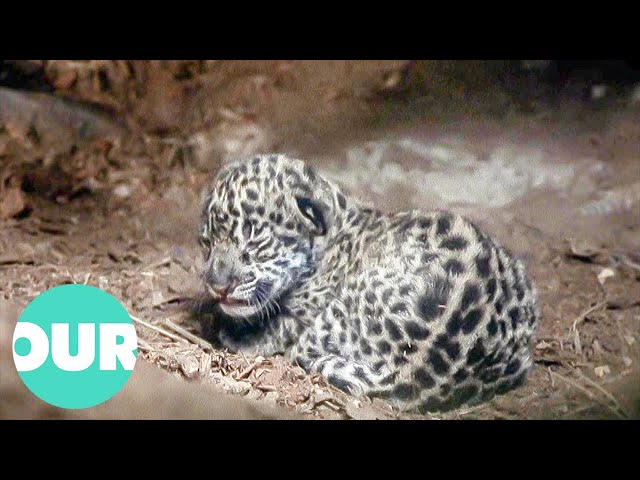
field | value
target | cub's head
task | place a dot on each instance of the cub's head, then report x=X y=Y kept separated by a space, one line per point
x=264 y=225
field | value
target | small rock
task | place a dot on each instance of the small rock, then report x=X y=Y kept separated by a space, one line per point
x=598 y=92
x=241 y=388
x=602 y=371
x=627 y=361
x=189 y=365
x=635 y=94
x=157 y=298
x=271 y=397
x=604 y=274
x=122 y=191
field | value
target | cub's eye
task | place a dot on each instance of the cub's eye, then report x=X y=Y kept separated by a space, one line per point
x=313 y=214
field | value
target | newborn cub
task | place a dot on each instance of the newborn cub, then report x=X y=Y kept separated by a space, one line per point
x=420 y=308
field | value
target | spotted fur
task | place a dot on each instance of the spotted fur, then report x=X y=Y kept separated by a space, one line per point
x=418 y=307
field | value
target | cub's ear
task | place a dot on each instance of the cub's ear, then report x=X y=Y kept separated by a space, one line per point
x=312 y=215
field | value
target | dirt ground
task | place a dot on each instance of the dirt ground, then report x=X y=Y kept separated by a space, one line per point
x=109 y=195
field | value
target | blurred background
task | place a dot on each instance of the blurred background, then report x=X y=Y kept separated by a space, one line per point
x=102 y=164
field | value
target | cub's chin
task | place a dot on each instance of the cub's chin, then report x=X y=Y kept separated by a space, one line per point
x=239 y=310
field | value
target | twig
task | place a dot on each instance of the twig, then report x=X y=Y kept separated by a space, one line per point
x=144 y=345
x=580 y=318
x=247 y=371
x=188 y=335
x=589 y=394
x=158 y=330
x=599 y=387
x=266 y=388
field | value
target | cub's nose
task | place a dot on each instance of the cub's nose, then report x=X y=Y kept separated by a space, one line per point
x=220 y=292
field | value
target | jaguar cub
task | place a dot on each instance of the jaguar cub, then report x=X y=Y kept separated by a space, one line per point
x=420 y=308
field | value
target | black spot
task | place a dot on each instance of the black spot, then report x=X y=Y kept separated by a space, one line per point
x=375 y=328
x=431 y=404
x=252 y=194
x=248 y=209
x=503 y=328
x=393 y=329
x=260 y=210
x=503 y=387
x=506 y=291
x=444 y=225
x=328 y=346
x=477 y=353
x=429 y=305
x=404 y=391
x=386 y=295
x=454 y=267
x=389 y=379
x=288 y=241
x=471 y=295
x=491 y=289
x=405 y=290
x=455 y=324
x=492 y=327
x=424 y=223
x=483 y=266
x=416 y=331
x=493 y=359
x=362 y=375
x=378 y=365
x=515 y=316
x=466 y=393
x=424 y=378
x=406 y=226
x=461 y=375
x=340 y=364
x=354 y=337
x=471 y=320
x=342 y=202
x=491 y=375
x=445 y=389
x=340 y=383
x=455 y=242
x=343 y=338
x=513 y=367
x=439 y=364
x=500 y=264
x=399 y=360
x=407 y=348
x=499 y=307
x=398 y=308
x=452 y=348
x=365 y=347
x=428 y=257
x=519 y=380
x=519 y=291
x=384 y=347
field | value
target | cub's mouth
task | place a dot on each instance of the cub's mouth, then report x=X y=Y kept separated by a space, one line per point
x=235 y=301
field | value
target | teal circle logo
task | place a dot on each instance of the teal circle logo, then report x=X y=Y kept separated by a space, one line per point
x=75 y=346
